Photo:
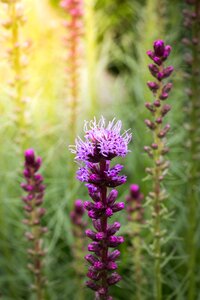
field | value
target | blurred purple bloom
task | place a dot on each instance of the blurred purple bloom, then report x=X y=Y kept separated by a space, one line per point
x=134 y=204
x=34 y=188
x=77 y=214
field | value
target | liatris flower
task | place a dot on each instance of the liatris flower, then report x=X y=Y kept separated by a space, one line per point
x=18 y=60
x=135 y=213
x=34 y=212
x=158 y=149
x=74 y=26
x=100 y=146
x=191 y=47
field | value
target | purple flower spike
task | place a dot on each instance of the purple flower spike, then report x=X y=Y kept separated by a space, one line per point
x=101 y=144
x=157 y=151
x=34 y=188
x=159 y=89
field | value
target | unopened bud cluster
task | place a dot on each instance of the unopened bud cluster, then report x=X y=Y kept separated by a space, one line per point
x=159 y=108
x=17 y=57
x=34 y=212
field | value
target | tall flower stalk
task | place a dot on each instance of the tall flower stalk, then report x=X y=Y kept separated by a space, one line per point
x=157 y=151
x=73 y=42
x=18 y=60
x=102 y=144
x=135 y=213
x=34 y=212
x=192 y=59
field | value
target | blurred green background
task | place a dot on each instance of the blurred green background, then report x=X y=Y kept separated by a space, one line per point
x=113 y=84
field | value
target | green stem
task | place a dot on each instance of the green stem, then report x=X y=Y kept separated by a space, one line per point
x=157 y=244
x=104 y=222
x=157 y=172
x=37 y=247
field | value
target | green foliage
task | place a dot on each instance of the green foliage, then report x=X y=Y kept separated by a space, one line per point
x=125 y=30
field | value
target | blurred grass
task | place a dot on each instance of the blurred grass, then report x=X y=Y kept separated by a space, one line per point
x=124 y=31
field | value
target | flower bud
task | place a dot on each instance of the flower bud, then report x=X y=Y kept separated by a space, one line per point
x=91 y=258
x=112 y=196
x=112 y=229
x=109 y=212
x=91 y=234
x=159 y=48
x=114 y=278
x=118 y=206
x=92 y=285
x=112 y=256
x=114 y=241
x=153 y=86
x=29 y=156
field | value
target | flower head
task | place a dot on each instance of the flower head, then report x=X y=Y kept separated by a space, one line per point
x=101 y=141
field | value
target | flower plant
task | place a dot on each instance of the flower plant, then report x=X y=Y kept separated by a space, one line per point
x=34 y=212
x=73 y=41
x=102 y=144
x=157 y=151
x=17 y=58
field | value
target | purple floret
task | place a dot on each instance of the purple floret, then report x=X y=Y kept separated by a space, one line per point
x=101 y=141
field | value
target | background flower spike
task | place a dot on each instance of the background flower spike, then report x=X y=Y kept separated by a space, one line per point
x=159 y=130
x=34 y=188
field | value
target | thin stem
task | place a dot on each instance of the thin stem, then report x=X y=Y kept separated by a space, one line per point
x=104 y=222
x=37 y=247
x=157 y=206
